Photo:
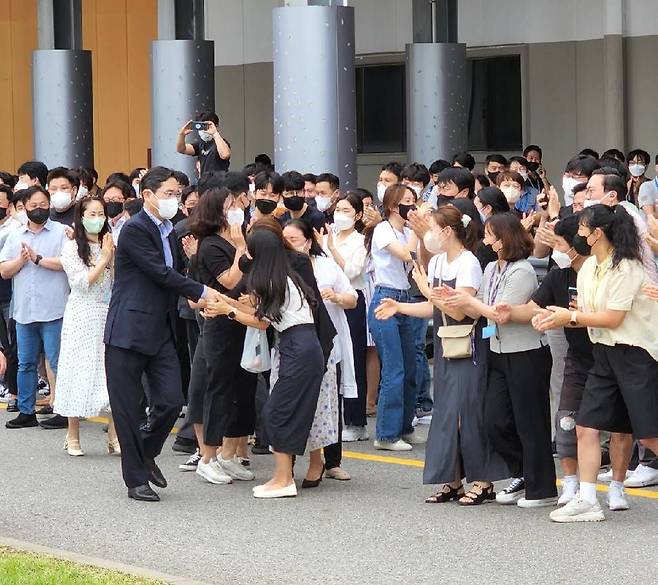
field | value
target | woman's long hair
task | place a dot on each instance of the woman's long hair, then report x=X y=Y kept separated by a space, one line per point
x=84 y=251
x=209 y=217
x=307 y=232
x=268 y=277
x=618 y=226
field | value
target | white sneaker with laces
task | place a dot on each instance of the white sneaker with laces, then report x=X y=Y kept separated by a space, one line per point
x=512 y=493
x=192 y=462
x=398 y=445
x=569 y=492
x=212 y=472
x=234 y=469
x=643 y=476
x=353 y=433
x=540 y=503
x=413 y=439
x=617 y=501
x=578 y=510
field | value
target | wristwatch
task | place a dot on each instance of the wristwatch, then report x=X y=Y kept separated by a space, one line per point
x=574 y=318
x=232 y=314
x=38 y=259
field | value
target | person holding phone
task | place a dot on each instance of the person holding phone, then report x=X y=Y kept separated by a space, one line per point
x=213 y=152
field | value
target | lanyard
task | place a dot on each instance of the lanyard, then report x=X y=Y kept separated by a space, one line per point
x=493 y=287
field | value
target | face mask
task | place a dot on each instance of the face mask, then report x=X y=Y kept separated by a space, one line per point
x=323 y=203
x=205 y=136
x=581 y=246
x=235 y=216
x=265 y=206
x=252 y=188
x=589 y=202
x=533 y=167
x=524 y=174
x=294 y=203
x=136 y=188
x=21 y=217
x=381 y=189
x=245 y=263
x=82 y=192
x=561 y=259
x=167 y=208
x=493 y=177
x=637 y=170
x=483 y=217
x=38 y=215
x=114 y=208
x=342 y=221
x=20 y=186
x=302 y=249
x=405 y=209
x=417 y=190
x=60 y=200
x=568 y=183
x=432 y=243
x=93 y=225
x=512 y=194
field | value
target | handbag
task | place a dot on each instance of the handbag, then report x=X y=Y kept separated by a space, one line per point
x=256 y=351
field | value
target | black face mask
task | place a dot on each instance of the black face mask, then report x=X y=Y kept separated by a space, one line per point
x=405 y=209
x=493 y=177
x=265 y=206
x=3 y=212
x=38 y=215
x=581 y=246
x=532 y=166
x=294 y=203
x=114 y=208
x=245 y=263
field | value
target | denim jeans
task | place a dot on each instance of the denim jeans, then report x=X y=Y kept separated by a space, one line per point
x=32 y=339
x=423 y=377
x=395 y=341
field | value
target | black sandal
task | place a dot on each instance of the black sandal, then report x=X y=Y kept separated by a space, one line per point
x=473 y=498
x=443 y=496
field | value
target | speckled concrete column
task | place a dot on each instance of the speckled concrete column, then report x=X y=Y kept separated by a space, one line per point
x=314 y=95
x=183 y=84
x=62 y=108
x=437 y=118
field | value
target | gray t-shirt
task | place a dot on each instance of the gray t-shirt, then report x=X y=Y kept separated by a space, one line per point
x=648 y=194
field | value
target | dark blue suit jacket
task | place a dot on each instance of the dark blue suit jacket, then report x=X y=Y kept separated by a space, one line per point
x=142 y=313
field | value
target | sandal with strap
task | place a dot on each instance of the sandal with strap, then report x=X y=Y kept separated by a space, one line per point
x=475 y=498
x=446 y=494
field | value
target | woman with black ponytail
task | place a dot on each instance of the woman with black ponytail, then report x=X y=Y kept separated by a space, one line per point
x=620 y=395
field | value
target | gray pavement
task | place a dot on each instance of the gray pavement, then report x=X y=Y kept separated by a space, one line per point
x=374 y=529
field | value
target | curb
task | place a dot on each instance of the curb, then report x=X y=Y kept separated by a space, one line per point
x=98 y=562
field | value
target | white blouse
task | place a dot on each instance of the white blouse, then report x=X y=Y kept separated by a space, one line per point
x=353 y=251
x=295 y=310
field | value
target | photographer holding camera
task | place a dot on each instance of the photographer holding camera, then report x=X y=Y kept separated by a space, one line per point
x=213 y=151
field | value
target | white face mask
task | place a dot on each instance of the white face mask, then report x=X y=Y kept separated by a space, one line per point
x=205 y=136
x=167 y=208
x=637 y=170
x=136 y=188
x=342 y=221
x=20 y=186
x=432 y=243
x=524 y=174
x=417 y=190
x=568 y=183
x=590 y=202
x=323 y=203
x=60 y=200
x=512 y=194
x=82 y=192
x=21 y=216
x=381 y=189
x=252 y=188
x=561 y=259
x=235 y=216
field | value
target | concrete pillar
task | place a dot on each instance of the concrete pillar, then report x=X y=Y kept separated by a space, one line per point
x=314 y=93
x=613 y=76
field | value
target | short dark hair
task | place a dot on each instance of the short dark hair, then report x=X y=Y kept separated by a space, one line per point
x=187 y=191
x=495 y=198
x=133 y=206
x=63 y=173
x=614 y=165
x=34 y=169
x=393 y=167
x=464 y=159
x=589 y=152
x=333 y=180
x=252 y=169
x=497 y=158
x=7 y=190
x=567 y=227
x=8 y=179
x=88 y=175
x=416 y=172
x=583 y=164
x=461 y=177
x=236 y=182
x=483 y=180
x=211 y=180
x=292 y=181
x=209 y=217
x=182 y=178
x=532 y=147
x=642 y=154
x=208 y=117
x=263 y=159
x=134 y=174
x=154 y=178
x=614 y=153
x=517 y=243
x=578 y=187
x=613 y=181
x=31 y=191
x=310 y=178
x=265 y=178
x=510 y=176
x=126 y=189
x=121 y=176
x=438 y=165
x=519 y=159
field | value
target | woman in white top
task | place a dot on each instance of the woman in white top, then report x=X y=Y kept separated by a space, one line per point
x=391 y=244
x=346 y=244
x=81 y=383
x=280 y=298
x=337 y=295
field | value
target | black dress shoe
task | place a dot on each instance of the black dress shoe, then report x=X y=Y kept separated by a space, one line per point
x=12 y=406
x=155 y=475
x=55 y=422
x=143 y=493
x=22 y=421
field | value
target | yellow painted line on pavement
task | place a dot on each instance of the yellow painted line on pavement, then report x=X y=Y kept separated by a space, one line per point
x=640 y=493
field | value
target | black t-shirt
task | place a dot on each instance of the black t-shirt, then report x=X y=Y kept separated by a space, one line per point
x=214 y=257
x=64 y=217
x=311 y=216
x=554 y=290
x=209 y=158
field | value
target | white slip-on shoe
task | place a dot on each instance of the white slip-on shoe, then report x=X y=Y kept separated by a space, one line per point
x=578 y=510
x=539 y=503
x=234 y=469
x=212 y=473
x=289 y=491
x=398 y=445
x=643 y=476
x=353 y=433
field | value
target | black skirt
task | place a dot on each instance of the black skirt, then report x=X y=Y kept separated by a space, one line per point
x=289 y=410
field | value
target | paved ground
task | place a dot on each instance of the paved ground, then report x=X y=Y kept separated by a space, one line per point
x=372 y=530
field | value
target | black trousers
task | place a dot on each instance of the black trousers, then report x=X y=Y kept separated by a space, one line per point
x=9 y=348
x=124 y=384
x=355 y=408
x=517 y=417
x=333 y=454
x=186 y=430
x=183 y=353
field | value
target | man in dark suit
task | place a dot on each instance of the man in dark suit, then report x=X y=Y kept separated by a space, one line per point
x=140 y=332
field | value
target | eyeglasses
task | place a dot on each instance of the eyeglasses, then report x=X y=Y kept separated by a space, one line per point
x=167 y=194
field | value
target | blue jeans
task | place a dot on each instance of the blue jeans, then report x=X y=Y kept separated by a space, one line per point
x=32 y=339
x=395 y=341
x=423 y=378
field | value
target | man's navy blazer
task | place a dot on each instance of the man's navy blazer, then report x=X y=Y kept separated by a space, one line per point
x=142 y=313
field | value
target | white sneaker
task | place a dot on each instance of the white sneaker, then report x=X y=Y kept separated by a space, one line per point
x=398 y=445
x=353 y=433
x=413 y=439
x=192 y=462
x=286 y=492
x=617 y=501
x=234 y=469
x=212 y=472
x=540 y=503
x=569 y=492
x=512 y=493
x=643 y=476
x=606 y=477
x=578 y=510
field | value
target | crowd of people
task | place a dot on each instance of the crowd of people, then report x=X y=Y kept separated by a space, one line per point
x=278 y=312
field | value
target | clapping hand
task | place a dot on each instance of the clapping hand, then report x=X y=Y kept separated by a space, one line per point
x=387 y=308
x=28 y=253
x=70 y=233
x=551 y=318
x=190 y=245
x=107 y=247
x=528 y=220
x=329 y=294
x=503 y=313
x=546 y=235
x=371 y=216
x=419 y=223
x=237 y=237
x=216 y=305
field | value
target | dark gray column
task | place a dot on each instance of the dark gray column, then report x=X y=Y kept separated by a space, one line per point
x=189 y=20
x=314 y=94
x=67 y=23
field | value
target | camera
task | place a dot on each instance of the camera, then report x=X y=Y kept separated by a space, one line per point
x=198 y=125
